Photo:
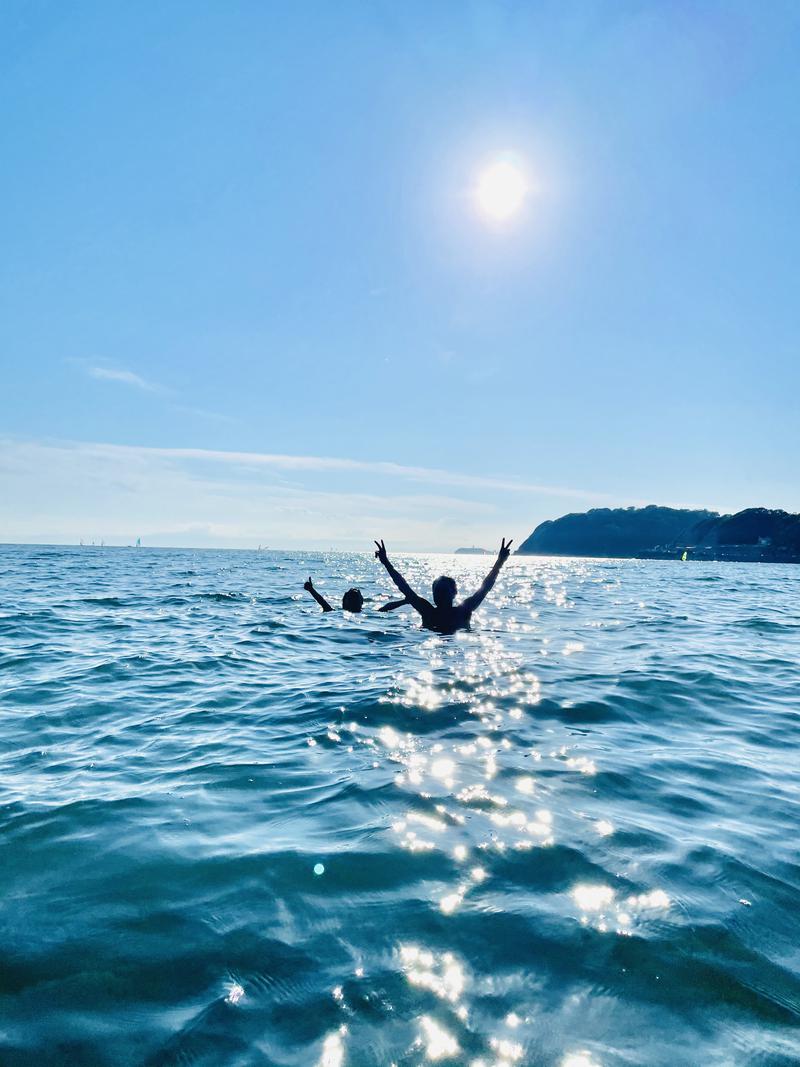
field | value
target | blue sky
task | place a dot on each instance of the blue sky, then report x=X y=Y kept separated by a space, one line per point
x=246 y=296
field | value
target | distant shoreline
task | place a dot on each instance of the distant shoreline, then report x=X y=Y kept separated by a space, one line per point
x=755 y=535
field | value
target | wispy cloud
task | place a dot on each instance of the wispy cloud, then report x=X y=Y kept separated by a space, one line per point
x=325 y=464
x=203 y=413
x=124 y=377
x=64 y=490
x=121 y=376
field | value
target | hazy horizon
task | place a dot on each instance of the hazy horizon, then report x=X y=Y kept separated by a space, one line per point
x=164 y=541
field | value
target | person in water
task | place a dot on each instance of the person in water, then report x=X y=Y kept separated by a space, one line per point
x=352 y=600
x=444 y=615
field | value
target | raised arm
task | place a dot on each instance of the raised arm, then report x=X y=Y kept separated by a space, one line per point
x=393 y=604
x=320 y=599
x=417 y=602
x=472 y=602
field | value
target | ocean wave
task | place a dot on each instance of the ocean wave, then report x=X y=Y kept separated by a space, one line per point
x=237 y=830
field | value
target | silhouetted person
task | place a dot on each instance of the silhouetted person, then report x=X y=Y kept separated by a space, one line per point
x=351 y=601
x=444 y=616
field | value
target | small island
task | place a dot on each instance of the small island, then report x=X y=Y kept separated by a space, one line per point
x=755 y=535
x=473 y=551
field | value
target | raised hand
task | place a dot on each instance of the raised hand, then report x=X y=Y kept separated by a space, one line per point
x=308 y=586
x=505 y=550
x=381 y=553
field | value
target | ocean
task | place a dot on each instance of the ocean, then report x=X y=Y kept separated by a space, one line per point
x=235 y=831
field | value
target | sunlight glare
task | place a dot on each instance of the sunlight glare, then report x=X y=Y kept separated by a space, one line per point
x=592 y=897
x=439 y=1043
x=501 y=190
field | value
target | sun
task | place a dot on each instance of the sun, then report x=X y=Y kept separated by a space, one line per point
x=501 y=190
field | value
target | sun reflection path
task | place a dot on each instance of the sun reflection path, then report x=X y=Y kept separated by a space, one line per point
x=448 y=783
x=599 y=906
x=443 y=975
x=476 y=793
x=578 y=1059
x=439 y=1044
x=333 y=1049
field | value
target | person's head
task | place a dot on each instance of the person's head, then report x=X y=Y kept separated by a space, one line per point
x=444 y=591
x=352 y=600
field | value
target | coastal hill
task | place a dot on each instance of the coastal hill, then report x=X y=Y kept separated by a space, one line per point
x=756 y=534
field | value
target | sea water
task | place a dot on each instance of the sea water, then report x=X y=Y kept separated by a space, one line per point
x=235 y=831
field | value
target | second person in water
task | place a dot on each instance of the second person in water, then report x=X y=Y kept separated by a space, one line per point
x=353 y=600
x=444 y=615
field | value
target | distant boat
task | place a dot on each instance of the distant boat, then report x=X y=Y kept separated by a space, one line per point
x=474 y=551
x=685 y=556
x=138 y=542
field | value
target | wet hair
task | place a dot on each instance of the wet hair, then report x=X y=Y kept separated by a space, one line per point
x=444 y=591
x=353 y=600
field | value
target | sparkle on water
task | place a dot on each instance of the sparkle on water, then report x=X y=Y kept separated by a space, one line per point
x=564 y=838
